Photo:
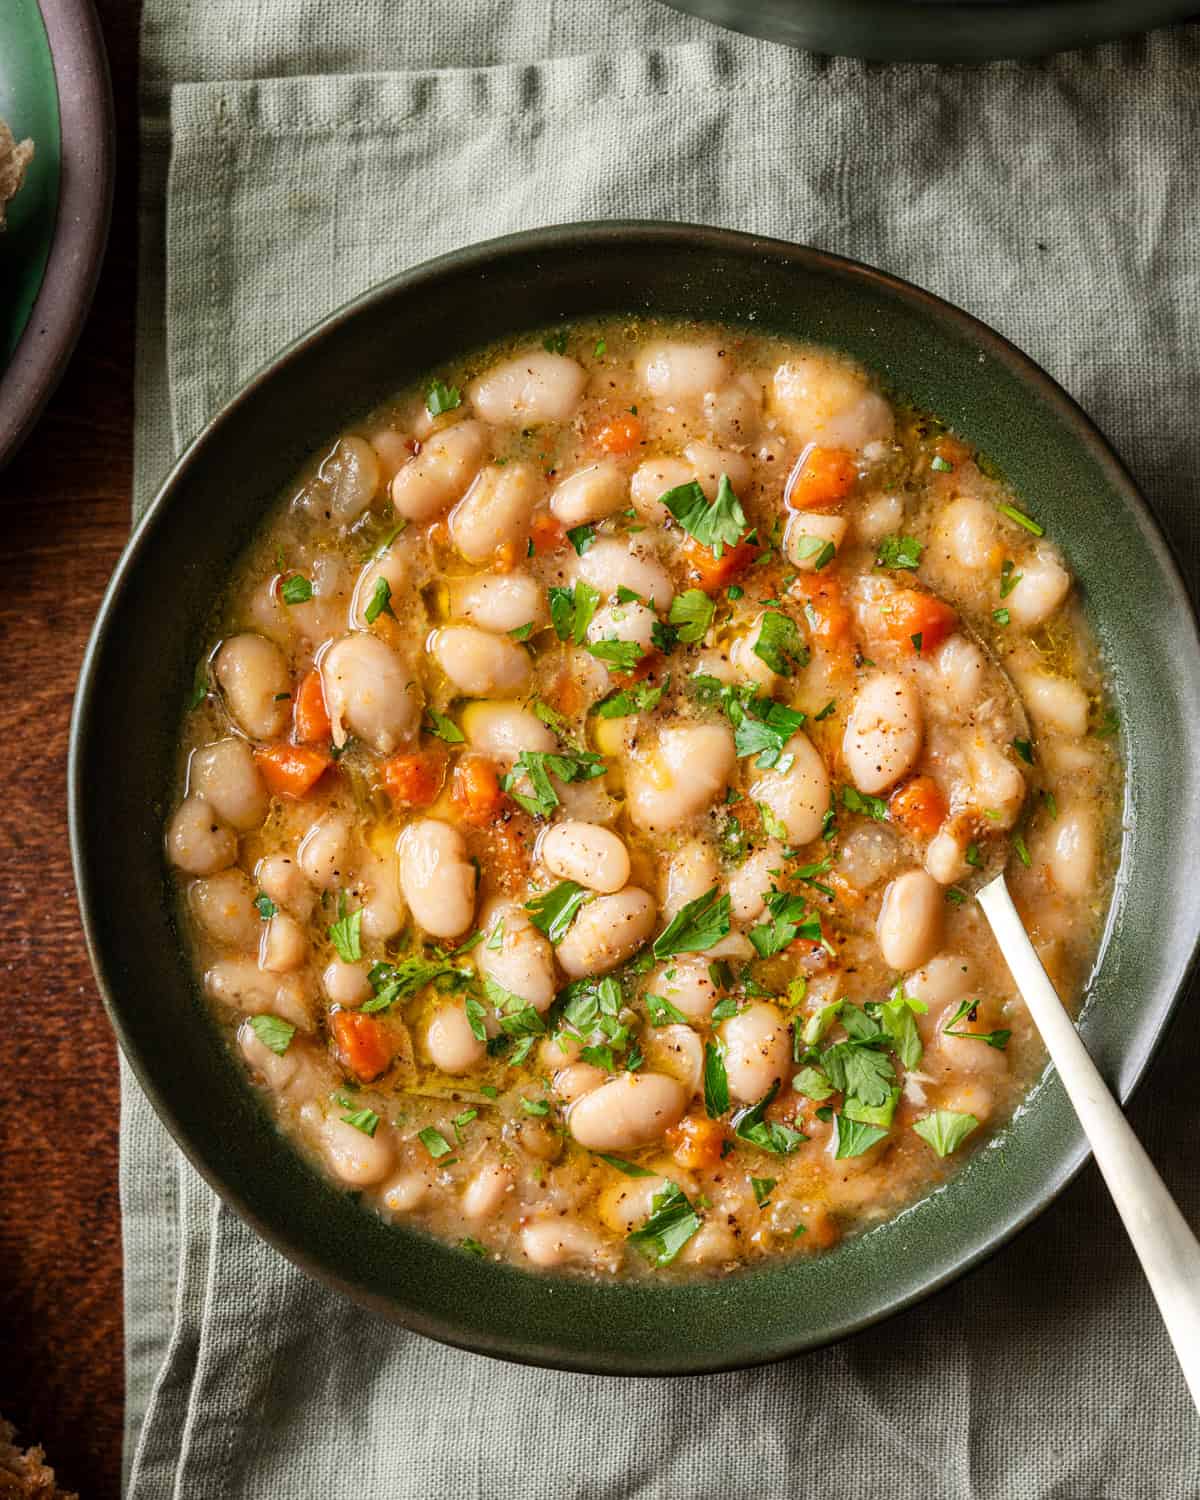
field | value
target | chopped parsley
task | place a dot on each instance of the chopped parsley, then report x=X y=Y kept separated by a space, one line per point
x=555 y=343
x=538 y=766
x=443 y=728
x=716 y=526
x=826 y=711
x=472 y=1246
x=716 y=1081
x=779 y=644
x=601 y=349
x=553 y=911
x=751 y=1126
x=858 y=802
x=672 y=1222
x=662 y=1012
x=945 y=1129
x=581 y=538
x=696 y=926
x=898 y=551
x=997 y=1039
x=550 y=717
x=813 y=1084
x=296 y=590
x=392 y=982
x=1022 y=851
x=1002 y=617
x=1021 y=519
x=536 y=1107
x=855 y=1138
x=762 y=1187
x=1024 y=749
x=1008 y=579
x=273 y=1032
x=571 y=611
x=941 y=465
x=380 y=603
x=630 y=1169
x=434 y=1142
x=365 y=1120
x=818 y=548
x=441 y=397
x=617 y=656
x=641 y=698
x=692 y=614
x=199 y=686
x=522 y=632
x=790 y=919
x=265 y=907
x=346 y=933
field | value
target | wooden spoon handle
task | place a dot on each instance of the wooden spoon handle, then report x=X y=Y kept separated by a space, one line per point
x=1165 y=1245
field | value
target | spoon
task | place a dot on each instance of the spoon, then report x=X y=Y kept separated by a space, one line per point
x=1165 y=1245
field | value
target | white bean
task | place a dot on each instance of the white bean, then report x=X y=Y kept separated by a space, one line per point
x=224 y=905
x=534 y=387
x=1042 y=586
x=430 y=483
x=287 y=885
x=753 y=880
x=623 y=622
x=291 y=1073
x=324 y=852
x=499 y=601
x=941 y=983
x=961 y=668
x=523 y=961
x=352 y=1155
x=609 y=563
x=479 y=663
x=625 y=1205
x=283 y=945
x=504 y=730
x=225 y=775
x=391 y=451
x=590 y=494
x=1055 y=705
x=878 y=518
x=733 y=414
x=496 y=512
x=821 y=400
x=239 y=982
x=350 y=477
x=809 y=534
x=758 y=1049
x=682 y=372
x=967 y=529
x=693 y=869
x=198 y=841
x=997 y=785
x=883 y=733
x=651 y=481
x=577 y=1079
x=799 y=796
x=451 y=1044
x=406 y=1192
x=370 y=692
x=606 y=932
x=383 y=910
x=256 y=685
x=1072 y=850
x=563 y=1242
x=591 y=856
x=678 y=1052
x=946 y=857
x=909 y=929
x=709 y=464
x=964 y=1055
x=484 y=1195
x=679 y=775
x=346 y=984
x=686 y=984
x=436 y=877
x=630 y=1110
x=870 y=853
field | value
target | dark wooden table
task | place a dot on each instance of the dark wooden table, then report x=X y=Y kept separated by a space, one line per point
x=65 y=516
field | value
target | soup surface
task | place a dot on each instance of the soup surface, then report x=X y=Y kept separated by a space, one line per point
x=585 y=786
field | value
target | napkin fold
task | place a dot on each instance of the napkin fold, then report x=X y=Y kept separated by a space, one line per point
x=295 y=153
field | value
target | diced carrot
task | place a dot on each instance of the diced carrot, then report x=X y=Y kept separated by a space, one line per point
x=918 y=806
x=828 y=617
x=310 y=717
x=548 y=534
x=363 y=1043
x=475 y=791
x=696 y=1141
x=620 y=434
x=504 y=559
x=509 y=862
x=952 y=450
x=712 y=573
x=825 y=479
x=567 y=694
x=291 y=770
x=414 y=780
x=920 y=621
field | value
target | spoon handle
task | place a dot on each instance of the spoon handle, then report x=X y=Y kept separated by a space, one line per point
x=1165 y=1245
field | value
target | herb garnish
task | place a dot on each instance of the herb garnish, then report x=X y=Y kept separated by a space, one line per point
x=672 y=1222
x=296 y=590
x=716 y=1081
x=265 y=907
x=273 y=1032
x=346 y=933
x=538 y=766
x=750 y=1125
x=997 y=1039
x=945 y=1129
x=381 y=602
x=441 y=398
x=695 y=926
x=692 y=614
x=714 y=526
x=898 y=551
x=365 y=1120
x=553 y=911
x=779 y=644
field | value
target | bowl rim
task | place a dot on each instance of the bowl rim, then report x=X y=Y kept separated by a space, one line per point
x=668 y=236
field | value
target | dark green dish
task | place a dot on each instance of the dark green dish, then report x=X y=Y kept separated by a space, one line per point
x=940 y=30
x=139 y=670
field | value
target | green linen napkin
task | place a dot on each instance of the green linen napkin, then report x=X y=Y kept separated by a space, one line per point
x=295 y=152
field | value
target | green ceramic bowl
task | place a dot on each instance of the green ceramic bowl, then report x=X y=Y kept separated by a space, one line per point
x=139 y=669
